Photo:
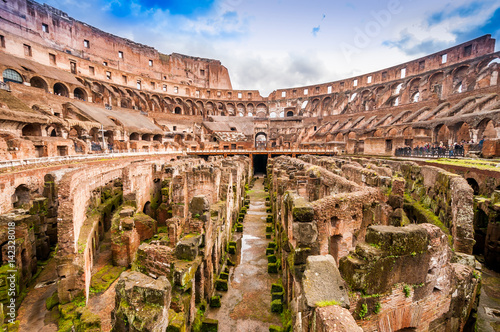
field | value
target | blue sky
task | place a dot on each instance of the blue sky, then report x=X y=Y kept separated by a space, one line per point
x=272 y=44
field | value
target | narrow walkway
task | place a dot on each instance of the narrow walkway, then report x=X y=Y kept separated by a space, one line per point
x=246 y=306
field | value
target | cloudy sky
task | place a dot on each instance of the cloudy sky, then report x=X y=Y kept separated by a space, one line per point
x=272 y=44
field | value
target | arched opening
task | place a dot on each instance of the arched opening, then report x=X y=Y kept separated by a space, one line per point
x=147 y=209
x=21 y=197
x=80 y=94
x=52 y=132
x=157 y=138
x=486 y=130
x=32 y=130
x=474 y=185
x=39 y=83
x=481 y=221
x=416 y=97
x=134 y=137
x=463 y=133
x=442 y=135
x=261 y=141
x=289 y=114
x=61 y=90
x=10 y=75
x=178 y=110
x=146 y=137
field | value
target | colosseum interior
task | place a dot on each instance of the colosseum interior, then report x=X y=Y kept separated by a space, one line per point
x=140 y=192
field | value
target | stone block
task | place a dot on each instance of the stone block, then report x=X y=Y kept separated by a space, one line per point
x=199 y=205
x=322 y=282
x=305 y=233
x=141 y=303
x=188 y=247
x=209 y=325
x=335 y=318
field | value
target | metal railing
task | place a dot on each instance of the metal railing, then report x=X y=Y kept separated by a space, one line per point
x=268 y=150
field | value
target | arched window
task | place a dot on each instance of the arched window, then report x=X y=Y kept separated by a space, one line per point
x=10 y=75
x=415 y=97
x=289 y=114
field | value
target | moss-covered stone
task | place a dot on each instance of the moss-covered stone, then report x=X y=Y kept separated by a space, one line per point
x=269 y=228
x=276 y=288
x=277 y=296
x=52 y=301
x=275 y=328
x=269 y=251
x=215 y=301
x=277 y=306
x=239 y=228
x=221 y=285
x=209 y=325
x=272 y=267
x=271 y=259
x=231 y=249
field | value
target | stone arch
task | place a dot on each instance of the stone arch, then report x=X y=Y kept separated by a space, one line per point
x=157 y=138
x=40 y=83
x=486 y=129
x=462 y=132
x=231 y=110
x=10 y=75
x=134 y=137
x=61 y=89
x=261 y=110
x=442 y=134
x=474 y=185
x=32 y=129
x=250 y=109
x=177 y=110
x=289 y=114
x=21 y=197
x=261 y=140
x=79 y=93
x=147 y=137
x=459 y=75
x=436 y=83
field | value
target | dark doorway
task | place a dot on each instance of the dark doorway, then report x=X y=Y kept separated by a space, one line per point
x=474 y=185
x=259 y=163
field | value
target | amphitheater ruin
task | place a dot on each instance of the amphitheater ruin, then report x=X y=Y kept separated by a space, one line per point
x=140 y=192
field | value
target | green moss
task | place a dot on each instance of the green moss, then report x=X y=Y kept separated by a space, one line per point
x=322 y=304
x=273 y=267
x=209 y=325
x=52 y=301
x=428 y=215
x=363 y=311
x=215 y=301
x=407 y=290
x=275 y=328
x=269 y=251
x=377 y=307
x=221 y=285
x=276 y=306
x=101 y=280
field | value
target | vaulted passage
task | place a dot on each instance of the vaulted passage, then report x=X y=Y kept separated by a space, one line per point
x=259 y=164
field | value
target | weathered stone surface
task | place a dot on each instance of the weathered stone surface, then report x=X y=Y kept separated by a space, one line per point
x=322 y=282
x=187 y=247
x=335 y=319
x=141 y=303
x=199 y=205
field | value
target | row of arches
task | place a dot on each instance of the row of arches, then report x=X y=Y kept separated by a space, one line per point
x=431 y=85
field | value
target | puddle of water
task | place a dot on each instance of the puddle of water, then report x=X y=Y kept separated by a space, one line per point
x=245 y=245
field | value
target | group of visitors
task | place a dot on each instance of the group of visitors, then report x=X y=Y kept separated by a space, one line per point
x=432 y=150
